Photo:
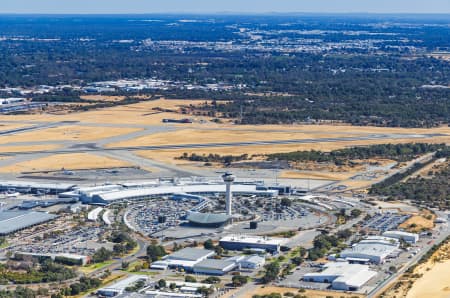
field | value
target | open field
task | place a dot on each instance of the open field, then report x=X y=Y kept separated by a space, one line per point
x=104 y=123
x=10 y=126
x=420 y=222
x=434 y=283
x=66 y=133
x=139 y=113
x=102 y=98
x=30 y=148
x=429 y=279
x=199 y=136
x=315 y=175
x=72 y=161
x=265 y=290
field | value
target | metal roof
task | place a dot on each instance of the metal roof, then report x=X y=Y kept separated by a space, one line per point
x=252 y=239
x=124 y=283
x=164 y=190
x=354 y=275
x=192 y=254
x=39 y=185
x=207 y=218
x=214 y=264
x=11 y=221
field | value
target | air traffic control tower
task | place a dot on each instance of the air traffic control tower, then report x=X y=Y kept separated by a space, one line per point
x=228 y=178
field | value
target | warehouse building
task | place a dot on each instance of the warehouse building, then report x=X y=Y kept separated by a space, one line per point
x=214 y=267
x=119 y=287
x=241 y=242
x=400 y=235
x=184 y=258
x=13 y=221
x=371 y=250
x=249 y=261
x=34 y=187
x=64 y=258
x=342 y=276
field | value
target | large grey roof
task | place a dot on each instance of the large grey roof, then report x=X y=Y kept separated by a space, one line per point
x=214 y=264
x=192 y=254
x=207 y=218
x=11 y=221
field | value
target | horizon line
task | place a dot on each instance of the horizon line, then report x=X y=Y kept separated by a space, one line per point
x=243 y=13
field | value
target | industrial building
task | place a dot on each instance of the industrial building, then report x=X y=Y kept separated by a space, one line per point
x=371 y=250
x=342 y=276
x=400 y=235
x=214 y=267
x=35 y=187
x=104 y=195
x=13 y=221
x=76 y=259
x=185 y=258
x=241 y=242
x=119 y=287
x=211 y=220
x=249 y=261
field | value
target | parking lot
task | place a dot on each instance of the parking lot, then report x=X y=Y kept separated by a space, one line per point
x=385 y=221
x=145 y=216
x=83 y=241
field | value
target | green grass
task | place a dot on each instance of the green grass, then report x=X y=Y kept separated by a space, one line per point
x=90 y=268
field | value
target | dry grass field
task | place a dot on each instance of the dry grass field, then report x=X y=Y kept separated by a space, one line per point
x=144 y=113
x=11 y=125
x=139 y=113
x=102 y=98
x=197 y=135
x=315 y=175
x=429 y=279
x=420 y=222
x=265 y=290
x=30 y=148
x=71 y=161
x=66 y=133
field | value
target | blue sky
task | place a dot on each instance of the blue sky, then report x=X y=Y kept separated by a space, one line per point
x=207 y=6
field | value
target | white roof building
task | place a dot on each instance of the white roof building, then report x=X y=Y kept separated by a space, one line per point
x=120 y=286
x=185 y=258
x=375 y=251
x=342 y=275
x=408 y=237
x=105 y=197
x=240 y=242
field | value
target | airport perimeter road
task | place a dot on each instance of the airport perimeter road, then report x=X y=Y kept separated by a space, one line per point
x=117 y=264
x=389 y=281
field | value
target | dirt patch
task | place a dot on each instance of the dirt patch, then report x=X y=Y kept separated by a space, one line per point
x=261 y=290
x=418 y=223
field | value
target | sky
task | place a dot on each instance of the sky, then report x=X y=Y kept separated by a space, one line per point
x=217 y=6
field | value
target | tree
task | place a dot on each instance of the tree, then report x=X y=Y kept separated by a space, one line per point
x=208 y=244
x=286 y=202
x=211 y=280
x=162 y=283
x=355 y=213
x=272 y=271
x=189 y=278
x=154 y=252
x=239 y=280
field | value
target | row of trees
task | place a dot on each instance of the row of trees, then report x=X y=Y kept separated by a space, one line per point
x=225 y=159
x=397 y=152
x=46 y=271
